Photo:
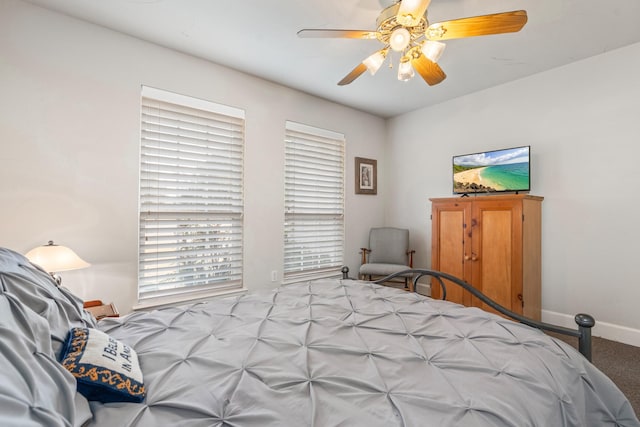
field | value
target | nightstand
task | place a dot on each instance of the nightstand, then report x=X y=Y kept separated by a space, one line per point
x=99 y=310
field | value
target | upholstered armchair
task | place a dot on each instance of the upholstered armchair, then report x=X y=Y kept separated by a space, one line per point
x=388 y=253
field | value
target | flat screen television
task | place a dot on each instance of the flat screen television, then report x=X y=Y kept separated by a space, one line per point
x=494 y=171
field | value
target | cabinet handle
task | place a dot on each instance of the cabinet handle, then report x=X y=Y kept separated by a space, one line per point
x=467 y=257
x=474 y=257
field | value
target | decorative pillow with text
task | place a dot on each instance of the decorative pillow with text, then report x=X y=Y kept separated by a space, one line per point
x=107 y=370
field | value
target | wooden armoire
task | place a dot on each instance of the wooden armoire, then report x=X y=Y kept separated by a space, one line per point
x=493 y=243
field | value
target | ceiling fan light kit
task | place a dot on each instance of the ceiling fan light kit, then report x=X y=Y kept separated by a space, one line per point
x=400 y=39
x=375 y=61
x=433 y=50
x=405 y=70
x=404 y=28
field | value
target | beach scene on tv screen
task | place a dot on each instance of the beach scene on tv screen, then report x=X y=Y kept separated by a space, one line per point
x=500 y=170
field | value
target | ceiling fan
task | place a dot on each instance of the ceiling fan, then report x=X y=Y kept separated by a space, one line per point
x=403 y=27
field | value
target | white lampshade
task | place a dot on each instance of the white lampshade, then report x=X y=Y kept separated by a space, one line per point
x=399 y=39
x=433 y=50
x=405 y=70
x=55 y=258
x=374 y=62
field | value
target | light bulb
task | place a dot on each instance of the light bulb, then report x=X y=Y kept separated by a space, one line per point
x=400 y=38
x=405 y=70
x=374 y=62
x=433 y=50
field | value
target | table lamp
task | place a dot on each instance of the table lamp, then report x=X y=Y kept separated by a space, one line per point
x=55 y=258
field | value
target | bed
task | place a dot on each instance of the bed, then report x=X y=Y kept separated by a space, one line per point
x=334 y=352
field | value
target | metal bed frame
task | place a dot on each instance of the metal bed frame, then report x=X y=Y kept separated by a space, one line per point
x=584 y=321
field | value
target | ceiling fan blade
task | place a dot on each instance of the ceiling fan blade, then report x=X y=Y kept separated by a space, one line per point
x=430 y=71
x=411 y=12
x=345 y=34
x=497 y=23
x=354 y=74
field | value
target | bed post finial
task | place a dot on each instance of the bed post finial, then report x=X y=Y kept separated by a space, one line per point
x=585 y=323
x=345 y=272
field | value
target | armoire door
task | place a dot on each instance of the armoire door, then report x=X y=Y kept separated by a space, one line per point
x=496 y=252
x=450 y=245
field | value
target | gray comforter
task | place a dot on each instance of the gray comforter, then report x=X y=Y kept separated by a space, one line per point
x=325 y=353
x=346 y=353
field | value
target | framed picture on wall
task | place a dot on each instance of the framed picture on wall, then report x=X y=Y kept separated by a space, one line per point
x=366 y=176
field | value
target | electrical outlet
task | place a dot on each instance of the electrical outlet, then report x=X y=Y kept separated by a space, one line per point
x=274 y=276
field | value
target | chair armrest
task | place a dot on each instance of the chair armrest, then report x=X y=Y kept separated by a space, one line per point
x=364 y=252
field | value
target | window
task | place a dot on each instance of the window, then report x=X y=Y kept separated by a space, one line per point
x=314 y=202
x=191 y=196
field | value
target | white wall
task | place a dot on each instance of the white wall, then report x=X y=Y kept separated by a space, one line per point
x=582 y=122
x=69 y=135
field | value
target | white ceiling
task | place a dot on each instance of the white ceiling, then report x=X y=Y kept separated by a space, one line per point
x=259 y=37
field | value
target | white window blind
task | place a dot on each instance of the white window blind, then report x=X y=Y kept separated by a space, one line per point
x=191 y=195
x=314 y=201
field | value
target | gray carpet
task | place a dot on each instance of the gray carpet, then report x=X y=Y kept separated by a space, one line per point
x=620 y=362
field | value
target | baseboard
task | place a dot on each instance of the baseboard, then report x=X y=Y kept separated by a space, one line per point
x=606 y=330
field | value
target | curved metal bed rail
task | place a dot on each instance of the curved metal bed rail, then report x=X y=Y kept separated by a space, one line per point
x=584 y=321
